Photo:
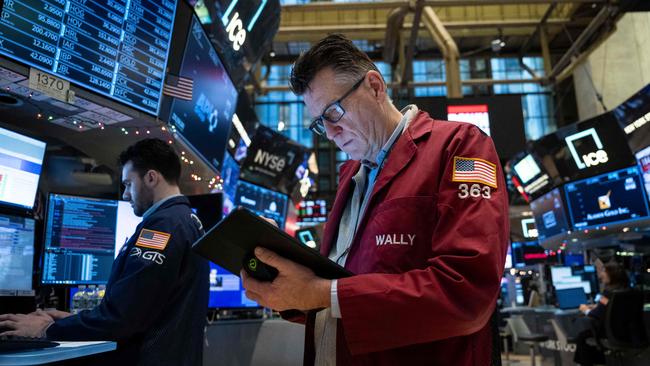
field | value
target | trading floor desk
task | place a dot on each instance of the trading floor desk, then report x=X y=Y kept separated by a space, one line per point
x=65 y=351
x=559 y=346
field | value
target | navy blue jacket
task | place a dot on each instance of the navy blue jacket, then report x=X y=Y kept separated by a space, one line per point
x=156 y=297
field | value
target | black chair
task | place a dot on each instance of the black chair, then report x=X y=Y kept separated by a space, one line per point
x=624 y=328
x=521 y=333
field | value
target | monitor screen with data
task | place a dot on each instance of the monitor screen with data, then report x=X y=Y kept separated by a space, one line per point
x=16 y=253
x=226 y=290
x=614 y=197
x=263 y=201
x=82 y=237
x=116 y=48
x=21 y=162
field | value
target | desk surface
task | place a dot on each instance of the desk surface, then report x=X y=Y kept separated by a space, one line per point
x=65 y=351
x=540 y=309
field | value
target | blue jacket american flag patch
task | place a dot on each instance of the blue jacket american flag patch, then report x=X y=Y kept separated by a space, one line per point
x=153 y=239
x=474 y=170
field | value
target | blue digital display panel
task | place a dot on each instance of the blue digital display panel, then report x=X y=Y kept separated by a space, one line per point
x=608 y=198
x=205 y=117
x=226 y=290
x=117 y=48
x=550 y=216
x=262 y=201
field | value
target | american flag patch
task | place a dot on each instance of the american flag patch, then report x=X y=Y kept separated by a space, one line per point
x=474 y=170
x=178 y=87
x=153 y=239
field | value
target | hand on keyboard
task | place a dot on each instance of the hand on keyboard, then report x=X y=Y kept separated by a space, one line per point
x=25 y=325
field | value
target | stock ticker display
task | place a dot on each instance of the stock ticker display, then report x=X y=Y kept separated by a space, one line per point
x=79 y=240
x=117 y=48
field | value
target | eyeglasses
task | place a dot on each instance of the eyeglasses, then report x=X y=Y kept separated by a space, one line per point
x=333 y=112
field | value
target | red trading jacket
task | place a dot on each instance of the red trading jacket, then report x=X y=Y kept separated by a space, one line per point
x=429 y=254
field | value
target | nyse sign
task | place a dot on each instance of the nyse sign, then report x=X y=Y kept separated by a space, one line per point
x=589 y=159
x=235 y=24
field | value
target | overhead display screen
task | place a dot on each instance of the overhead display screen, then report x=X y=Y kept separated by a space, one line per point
x=586 y=149
x=607 y=198
x=533 y=178
x=633 y=116
x=117 y=48
x=205 y=116
x=550 y=217
x=274 y=161
x=475 y=114
x=643 y=158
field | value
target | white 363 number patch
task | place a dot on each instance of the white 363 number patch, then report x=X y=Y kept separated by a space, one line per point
x=475 y=190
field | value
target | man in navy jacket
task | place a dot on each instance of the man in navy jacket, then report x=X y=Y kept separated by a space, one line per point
x=157 y=294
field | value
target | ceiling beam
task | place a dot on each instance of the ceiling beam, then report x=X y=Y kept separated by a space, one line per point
x=325 y=6
x=310 y=33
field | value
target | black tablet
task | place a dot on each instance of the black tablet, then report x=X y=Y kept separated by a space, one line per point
x=232 y=241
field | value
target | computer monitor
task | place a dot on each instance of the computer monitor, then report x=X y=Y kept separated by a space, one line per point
x=570 y=298
x=204 y=105
x=16 y=254
x=312 y=212
x=21 y=162
x=80 y=240
x=108 y=47
x=567 y=277
x=262 y=201
x=609 y=198
x=559 y=273
x=528 y=253
x=549 y=214
x=226 y=290
x=126 y=224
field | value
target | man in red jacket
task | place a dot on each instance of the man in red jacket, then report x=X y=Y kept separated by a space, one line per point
x=420 y=217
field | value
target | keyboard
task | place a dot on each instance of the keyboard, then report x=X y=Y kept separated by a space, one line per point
x=15 y=343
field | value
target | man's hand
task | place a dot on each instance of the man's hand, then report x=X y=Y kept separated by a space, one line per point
x=295 y=287
x=26 y=325
x=53 y=313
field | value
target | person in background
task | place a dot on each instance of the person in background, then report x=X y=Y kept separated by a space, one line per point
x=420 y=216
x=157 y=293
x=612 y=277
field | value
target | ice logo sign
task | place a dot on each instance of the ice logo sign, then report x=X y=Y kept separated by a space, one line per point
x=235 y=24
x=589 y=159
